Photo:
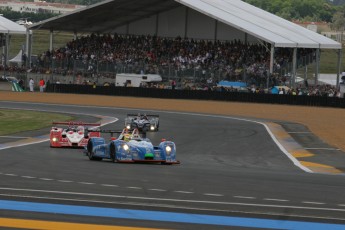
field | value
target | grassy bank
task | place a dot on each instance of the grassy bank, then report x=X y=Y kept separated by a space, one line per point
x=15 y=121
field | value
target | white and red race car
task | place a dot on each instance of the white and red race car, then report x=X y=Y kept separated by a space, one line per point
x=74 y=134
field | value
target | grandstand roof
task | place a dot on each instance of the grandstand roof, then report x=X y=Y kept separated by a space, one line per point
x=9 y=27
x=110 y=14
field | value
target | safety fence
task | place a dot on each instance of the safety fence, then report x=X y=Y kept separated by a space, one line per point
x=322 y=101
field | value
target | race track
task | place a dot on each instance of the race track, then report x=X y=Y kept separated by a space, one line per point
x=230 y=168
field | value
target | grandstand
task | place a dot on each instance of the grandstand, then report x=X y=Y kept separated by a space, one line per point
x=222 y=21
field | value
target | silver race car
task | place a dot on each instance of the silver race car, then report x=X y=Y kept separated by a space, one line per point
x=142 y=122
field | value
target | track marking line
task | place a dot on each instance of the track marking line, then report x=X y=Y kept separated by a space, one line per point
x=134 y=188
x=47 y=179
x=185 y=218
x=65 y=181
x=299 y=132
x=245 y=197
x=186 y=192
x=10 y=174
x=331 y=149
x=86 y=183
x=109 y=185
x=311 y=202
x=278 y=200
x=157 y=190
x=79 y=194
x=212 y=194
x=29 y=177
x=54 y=225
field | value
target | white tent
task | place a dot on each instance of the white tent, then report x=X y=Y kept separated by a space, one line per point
x=18 y=58
x=261 y=24
x=9 y=27
x=171 y=18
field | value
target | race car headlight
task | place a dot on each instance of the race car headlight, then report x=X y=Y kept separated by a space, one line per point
x=152 y=127
x=54 y=139
x=168 y=149
x=128 y=127
x=125 y=147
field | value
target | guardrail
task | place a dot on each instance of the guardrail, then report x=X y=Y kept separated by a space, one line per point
x=199 y=95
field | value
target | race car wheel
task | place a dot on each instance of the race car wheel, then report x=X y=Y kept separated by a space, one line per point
x=113 y=153
x=90 y=152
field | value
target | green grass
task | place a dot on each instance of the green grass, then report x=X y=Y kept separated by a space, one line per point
x=329 y=59
x=40 y=41
x=14 y=121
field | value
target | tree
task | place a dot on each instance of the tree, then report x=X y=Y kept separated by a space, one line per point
x=315 y=10
x=338 y=21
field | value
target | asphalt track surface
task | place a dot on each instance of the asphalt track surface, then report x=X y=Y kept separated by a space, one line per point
x=232 y=175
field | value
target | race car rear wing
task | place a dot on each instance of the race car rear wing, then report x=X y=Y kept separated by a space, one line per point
x=105 y=131
x=76 y=123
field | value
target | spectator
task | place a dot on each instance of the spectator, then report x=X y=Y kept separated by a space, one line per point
x=21 y=83
x=31 y=85
x=42 y=85
x=173 y=84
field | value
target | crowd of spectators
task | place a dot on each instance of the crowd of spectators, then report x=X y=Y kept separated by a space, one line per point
x=234 y=60
x=149 y=53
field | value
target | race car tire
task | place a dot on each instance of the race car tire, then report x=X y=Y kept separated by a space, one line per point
x=86 y=134
x=93 y=158
x=113 y=153
x=90 y=152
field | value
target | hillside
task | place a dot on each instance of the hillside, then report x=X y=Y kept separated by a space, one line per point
x=337 y=2
x=293 y=10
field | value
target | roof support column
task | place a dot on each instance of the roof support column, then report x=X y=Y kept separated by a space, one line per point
x=215 y=30
x=7 y=47
x=28 y=48
x=317 y=66
x=271 y=65
x=186 y=23
x=51 y=41
x=339 y=67
x=294 y=67
x=157 y=24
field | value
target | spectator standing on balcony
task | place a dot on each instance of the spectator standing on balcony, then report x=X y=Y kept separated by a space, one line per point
x=343 y=77
x=31 y=84
x=42 y=84
x=21 y=83
x=173 y=84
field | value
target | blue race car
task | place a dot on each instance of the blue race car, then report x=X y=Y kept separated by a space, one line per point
x=131 y=147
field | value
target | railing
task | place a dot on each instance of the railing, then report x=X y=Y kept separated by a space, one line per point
x=199 y=95
x=194 y=72
x=78 y=71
